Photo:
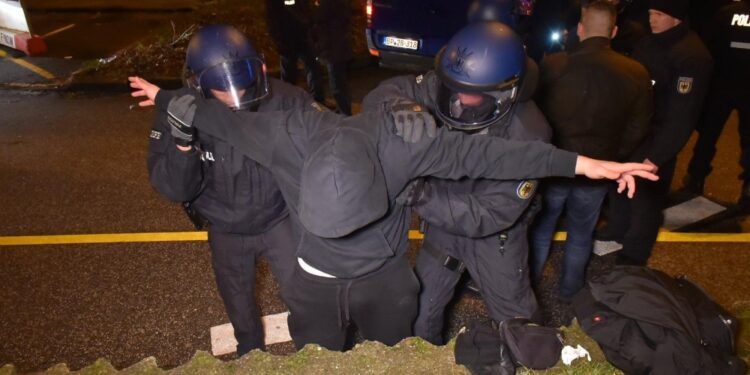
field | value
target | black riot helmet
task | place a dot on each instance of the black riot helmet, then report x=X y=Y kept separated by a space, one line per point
x=222 y=63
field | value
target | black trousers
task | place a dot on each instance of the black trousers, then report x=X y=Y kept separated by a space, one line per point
x=636 y=221
x=313 y=74
x=500 y=268
x=382 y=305
x=339 y=86
x=233 y=258
x=719 y=105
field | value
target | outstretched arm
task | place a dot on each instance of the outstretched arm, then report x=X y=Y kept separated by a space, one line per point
x=623 y=173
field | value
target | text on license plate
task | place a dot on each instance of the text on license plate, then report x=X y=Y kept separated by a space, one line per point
x=401 y=43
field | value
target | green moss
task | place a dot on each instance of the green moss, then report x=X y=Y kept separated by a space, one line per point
x=411 y=356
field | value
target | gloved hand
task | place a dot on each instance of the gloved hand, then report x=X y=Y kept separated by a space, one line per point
x=413 y=193
x=180 y=114
x=412 y=120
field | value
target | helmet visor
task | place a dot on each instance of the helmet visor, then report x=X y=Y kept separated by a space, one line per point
x=239 y=84
x=473 y=110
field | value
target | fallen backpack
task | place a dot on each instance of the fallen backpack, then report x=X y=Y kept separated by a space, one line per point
x=497 y=350
x=648 y=322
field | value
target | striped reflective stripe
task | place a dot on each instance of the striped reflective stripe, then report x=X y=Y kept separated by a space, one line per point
x=740 y=45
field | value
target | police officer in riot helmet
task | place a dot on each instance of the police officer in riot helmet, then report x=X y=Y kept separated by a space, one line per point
x=474 y=93
x=482 y=84
x=234 y=196
x=222 y=64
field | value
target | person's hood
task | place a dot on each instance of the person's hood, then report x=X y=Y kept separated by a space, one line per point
x=342 y=187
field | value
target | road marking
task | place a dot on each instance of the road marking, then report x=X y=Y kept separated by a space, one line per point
x=103 y=238
x=34 y=68
x=53 y=32
x=68 y=239
x=274 y=326
x=29 y=66
x=690 y=212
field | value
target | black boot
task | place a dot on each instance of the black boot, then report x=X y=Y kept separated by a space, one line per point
x=693 y=184
x=691 y=187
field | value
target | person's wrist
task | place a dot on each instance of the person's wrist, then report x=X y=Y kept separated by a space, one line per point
x=581 y=164
x=184 y=148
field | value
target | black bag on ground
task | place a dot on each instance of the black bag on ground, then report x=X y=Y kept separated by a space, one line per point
x=647 y=322
x=486 y=349
x=531 y=345
x=480 y=348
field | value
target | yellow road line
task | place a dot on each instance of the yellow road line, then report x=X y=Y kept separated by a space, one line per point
x=34 y=68
x=664 y=236
x=3 y=53
x=203 y=236
x=103 y=238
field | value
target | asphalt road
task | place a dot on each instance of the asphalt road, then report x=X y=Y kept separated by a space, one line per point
x=74 y=163
x=75 y=36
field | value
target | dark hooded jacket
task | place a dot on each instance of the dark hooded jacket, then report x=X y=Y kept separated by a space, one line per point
x=335 y=240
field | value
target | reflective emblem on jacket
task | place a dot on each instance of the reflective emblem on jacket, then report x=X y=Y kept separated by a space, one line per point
x=741 y=20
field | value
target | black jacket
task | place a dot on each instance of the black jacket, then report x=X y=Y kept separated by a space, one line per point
x=331 y=33
x=598 y=101
x=282 y=141
x=728 y=39
x=233 y=192
x=472 y=208
x=289 y=25
x=680 y=67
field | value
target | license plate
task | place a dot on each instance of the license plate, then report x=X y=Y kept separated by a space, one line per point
x=7 y=39
x=401 y=43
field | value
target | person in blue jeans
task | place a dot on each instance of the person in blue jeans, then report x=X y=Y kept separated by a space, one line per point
x=581 y=201
x=599 y=103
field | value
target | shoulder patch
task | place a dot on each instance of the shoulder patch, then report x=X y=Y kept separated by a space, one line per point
x=685 y=85
x=525 y=189
x=318 y=107
x=419 y=78
x=155 y=134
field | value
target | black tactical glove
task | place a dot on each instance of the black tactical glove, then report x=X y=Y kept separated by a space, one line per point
x=180 y=114
x=412 y=120
x=413 y=193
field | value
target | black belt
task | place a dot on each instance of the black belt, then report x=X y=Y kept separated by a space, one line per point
x=447 y=261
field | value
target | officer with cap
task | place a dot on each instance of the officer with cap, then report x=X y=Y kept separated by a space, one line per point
x=680 y=68
x=341 y=176
x=728 y=39
x=475 y=225
x=235 y=196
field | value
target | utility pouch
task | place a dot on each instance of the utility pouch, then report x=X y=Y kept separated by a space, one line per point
x=198 y=220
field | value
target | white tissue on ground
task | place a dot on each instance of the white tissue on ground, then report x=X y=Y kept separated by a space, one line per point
x=569 y=354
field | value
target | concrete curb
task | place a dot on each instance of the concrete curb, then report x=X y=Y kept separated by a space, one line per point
x=80 y=83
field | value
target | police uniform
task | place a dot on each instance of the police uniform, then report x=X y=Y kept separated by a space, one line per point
x=355 y=238
x=289 y=23
x=680 y=68
x=728 y=39
x=333 y=46
x=245 y=210
x=473 y=225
